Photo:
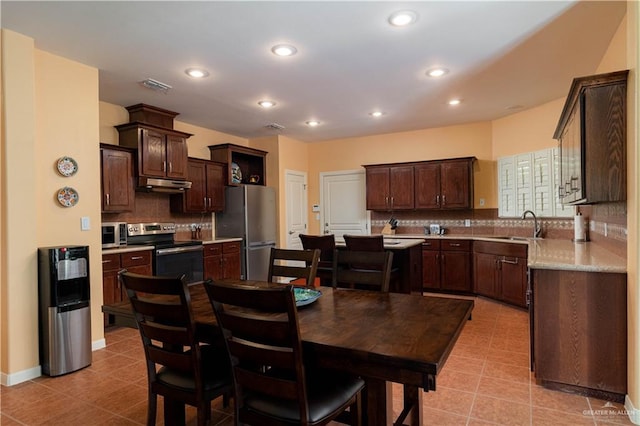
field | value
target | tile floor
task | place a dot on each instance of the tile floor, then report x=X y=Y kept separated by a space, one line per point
x=486 y=381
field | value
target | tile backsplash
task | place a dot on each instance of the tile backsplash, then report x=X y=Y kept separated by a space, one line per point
x=155 y=207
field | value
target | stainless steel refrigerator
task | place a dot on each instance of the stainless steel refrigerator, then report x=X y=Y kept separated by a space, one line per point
x=250 y=213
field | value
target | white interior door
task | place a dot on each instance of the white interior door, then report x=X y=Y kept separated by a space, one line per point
x=343 y=201
x=296 y=199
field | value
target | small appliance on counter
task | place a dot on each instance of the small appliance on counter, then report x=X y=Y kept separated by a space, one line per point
x=114 y=234
x=64 y=311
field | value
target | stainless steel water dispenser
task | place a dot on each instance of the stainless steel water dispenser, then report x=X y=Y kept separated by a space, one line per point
x=64 y=311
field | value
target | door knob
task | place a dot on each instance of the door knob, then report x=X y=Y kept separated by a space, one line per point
x=292 y=232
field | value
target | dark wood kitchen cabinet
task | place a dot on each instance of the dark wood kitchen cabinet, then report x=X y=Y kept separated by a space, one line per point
x=446 y=265
x=389 y=187
x=592 y=139
x=445 y=184
x=250 y=161
x=162 y=153
x=138 y=262
x=222 y=260
x=117 y=182
x=206 y=194
x=500 y=271
x=580 y=332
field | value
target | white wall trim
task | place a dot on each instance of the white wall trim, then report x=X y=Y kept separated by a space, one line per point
x=98 y=344
x=632 y=412
x=35 y=372
x=20 y=376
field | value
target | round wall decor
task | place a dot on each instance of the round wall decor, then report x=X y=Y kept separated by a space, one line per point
x=68 y=197
x=67 y=166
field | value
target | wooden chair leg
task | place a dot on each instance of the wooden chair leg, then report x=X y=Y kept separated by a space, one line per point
x=355 y=410
x=152 y=409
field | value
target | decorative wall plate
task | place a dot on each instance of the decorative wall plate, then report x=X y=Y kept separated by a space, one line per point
x=236 y=173
x=68 y=197
x=67 y=166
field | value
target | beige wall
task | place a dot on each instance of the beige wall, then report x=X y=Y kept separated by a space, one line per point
x=51 y=110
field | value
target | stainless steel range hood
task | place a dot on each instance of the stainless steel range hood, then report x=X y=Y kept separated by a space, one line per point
x=168 y=186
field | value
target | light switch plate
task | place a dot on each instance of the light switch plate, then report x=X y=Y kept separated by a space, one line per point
x=85 y=223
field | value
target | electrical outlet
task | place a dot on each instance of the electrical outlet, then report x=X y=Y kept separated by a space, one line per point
x=467 y=223
x=481 y=202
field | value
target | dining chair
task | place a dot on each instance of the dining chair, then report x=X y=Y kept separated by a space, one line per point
x=369 y=243
x=296 y=266
x=179 y=368
x=272 y=384
x=326 y=244
x=362 y=269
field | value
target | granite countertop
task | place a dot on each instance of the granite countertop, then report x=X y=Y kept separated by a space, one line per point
x=551 y=253
x=221 y=240
x=126 y=249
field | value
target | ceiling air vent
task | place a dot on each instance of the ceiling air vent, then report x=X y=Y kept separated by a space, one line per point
x=274 y=126
x=156 y=85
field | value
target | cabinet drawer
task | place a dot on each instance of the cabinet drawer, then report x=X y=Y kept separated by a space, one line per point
x=136 y=258
x=212 y=250
x=232 y=247
x=110 y=262
x=455 y=245
x=501 y=249
x=431 y=245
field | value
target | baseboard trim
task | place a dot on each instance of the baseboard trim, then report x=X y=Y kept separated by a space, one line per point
x=35 y=372
x=20 y=376
x=632 y=412
x=98 y=344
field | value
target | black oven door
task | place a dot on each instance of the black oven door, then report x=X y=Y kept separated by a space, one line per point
x=175 y=261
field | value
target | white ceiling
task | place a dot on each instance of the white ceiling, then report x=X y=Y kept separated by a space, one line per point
x=350 y=61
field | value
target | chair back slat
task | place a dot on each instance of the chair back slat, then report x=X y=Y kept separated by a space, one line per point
x=181 y=361
x=364 y=242
x=362 y=269
x=272 y=386
x=268 y=330
x=166 y=334
x=278 y=356
x=286 y=264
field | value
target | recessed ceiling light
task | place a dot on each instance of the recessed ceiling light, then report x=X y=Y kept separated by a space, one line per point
x=197 y=72
x=455 y=101
x=437 y=72
x=267 y=104
x=403 y=18
x=376 y=114
x=284 y=50
x=313 y=123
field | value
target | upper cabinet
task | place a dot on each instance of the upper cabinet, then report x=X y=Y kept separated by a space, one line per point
x=592 y=139
x=427 y=185
x=162 y=151
x=116 y=167
x=445 y=184
x=207 y=188
x=245 y=165
x=390 y=187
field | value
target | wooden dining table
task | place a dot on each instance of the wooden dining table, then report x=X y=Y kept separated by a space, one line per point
x=383 y=337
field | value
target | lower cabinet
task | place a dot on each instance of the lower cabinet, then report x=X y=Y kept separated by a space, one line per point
x=446 y=265
x=500 y=271
x=579 y=337
x=222 y=260
x=138 y=262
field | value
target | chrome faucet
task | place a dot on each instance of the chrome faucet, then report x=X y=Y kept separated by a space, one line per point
x=536 y=226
